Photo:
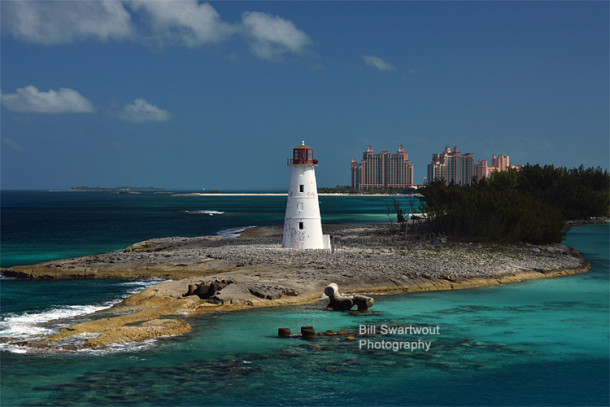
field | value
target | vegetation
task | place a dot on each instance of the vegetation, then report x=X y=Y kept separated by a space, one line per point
x=529 y=205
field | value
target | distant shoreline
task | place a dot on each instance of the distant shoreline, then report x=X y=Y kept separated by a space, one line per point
x=232 y=194
x=281 y=194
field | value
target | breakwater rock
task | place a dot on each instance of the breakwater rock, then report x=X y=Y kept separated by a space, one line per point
x=364 y=259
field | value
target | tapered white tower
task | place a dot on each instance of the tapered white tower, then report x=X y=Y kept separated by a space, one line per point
x=302 y=225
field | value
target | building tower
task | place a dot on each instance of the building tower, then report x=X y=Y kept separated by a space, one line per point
x=302 y=225
x=382 y=170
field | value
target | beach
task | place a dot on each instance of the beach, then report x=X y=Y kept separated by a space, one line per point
x=369 y=259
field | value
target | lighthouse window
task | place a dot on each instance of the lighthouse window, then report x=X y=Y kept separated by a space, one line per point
x=301 y=225
x=301 y=188
x=296 y=154
x=310 y=154
x=300 y=206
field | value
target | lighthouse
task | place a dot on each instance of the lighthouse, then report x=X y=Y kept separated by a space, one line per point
x=302 y=225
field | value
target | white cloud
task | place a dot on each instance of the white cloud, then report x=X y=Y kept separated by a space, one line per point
x=141 y=111
x=31 y=100
x=377 y=63
x=168 y=22
x=57 y=22
x=13 y=144
x=183 y=22
x=270 y=36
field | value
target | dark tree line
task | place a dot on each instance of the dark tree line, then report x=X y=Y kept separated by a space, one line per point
x=529 y=205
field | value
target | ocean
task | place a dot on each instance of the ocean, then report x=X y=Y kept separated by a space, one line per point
x=542 y=342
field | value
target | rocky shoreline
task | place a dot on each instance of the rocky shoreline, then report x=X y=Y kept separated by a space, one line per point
x=364 y=259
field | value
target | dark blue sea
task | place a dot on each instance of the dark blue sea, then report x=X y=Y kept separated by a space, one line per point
x=543 y=342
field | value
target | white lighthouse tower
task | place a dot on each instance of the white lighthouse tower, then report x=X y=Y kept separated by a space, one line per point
x=302 y=225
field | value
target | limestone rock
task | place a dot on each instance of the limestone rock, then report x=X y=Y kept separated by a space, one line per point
x=208 y=290
x=338 y=302
x=271 y=292
x=363 y=302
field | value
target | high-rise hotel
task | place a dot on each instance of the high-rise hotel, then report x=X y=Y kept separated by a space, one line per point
x=498 y=163
x=382 y=170
x=452 y=166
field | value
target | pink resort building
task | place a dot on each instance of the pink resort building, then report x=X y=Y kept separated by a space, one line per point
x=498 y=163
x=452 y=166
x=382 y=170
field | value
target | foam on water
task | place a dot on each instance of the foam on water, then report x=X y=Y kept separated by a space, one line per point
x=31 y=325
x=205 y=212
x=233 y=232
x=123 y=347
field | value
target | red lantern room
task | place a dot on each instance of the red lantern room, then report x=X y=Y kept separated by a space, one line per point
x=302 y=155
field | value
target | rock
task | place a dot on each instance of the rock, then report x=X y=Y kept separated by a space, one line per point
x=207 y=291
x=290 y=292
x=337 y=302
x=268 y=292
x=191 y=290
x=363 y=302
x=146 y=246
x=341 y=304
x=283 y=332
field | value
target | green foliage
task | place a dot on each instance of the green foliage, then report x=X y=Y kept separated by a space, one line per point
x=578 y=193
x=530 y=205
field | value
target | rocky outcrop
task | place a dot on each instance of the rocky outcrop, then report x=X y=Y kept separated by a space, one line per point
x=271 y=292
x=363 y=302
x=208 y=290
x=206 y=271
x=337 y=301
x=340 y=302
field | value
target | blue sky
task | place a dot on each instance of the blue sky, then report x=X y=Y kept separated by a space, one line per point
x=186 y=95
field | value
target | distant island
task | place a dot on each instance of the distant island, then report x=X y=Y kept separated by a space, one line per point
x=116 y=189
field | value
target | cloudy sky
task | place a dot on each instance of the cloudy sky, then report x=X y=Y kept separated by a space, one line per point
x=186 y=95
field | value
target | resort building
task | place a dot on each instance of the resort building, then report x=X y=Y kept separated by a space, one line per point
x=452 y=166
x=498 y=163
x=382 y=170
x=481 y=170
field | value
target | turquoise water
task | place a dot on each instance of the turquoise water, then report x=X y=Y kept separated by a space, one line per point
x=40 y=226
x=542 y=342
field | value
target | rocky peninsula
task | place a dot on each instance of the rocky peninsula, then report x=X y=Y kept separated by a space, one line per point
x=253 y=271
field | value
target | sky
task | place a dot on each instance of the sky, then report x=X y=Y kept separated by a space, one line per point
x=190 y=95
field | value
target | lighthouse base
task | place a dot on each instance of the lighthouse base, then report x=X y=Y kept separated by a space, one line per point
x=304 y=234
x=326 y=240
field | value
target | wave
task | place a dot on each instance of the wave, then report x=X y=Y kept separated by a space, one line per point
x=124 y=347
x=233 y=232
x=205 y=212
x=29 y=324
x=32 y=325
